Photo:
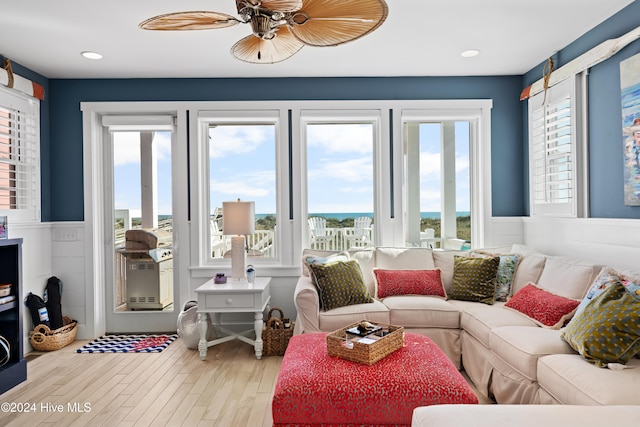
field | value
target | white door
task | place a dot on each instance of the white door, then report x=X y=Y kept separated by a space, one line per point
x=140 y=290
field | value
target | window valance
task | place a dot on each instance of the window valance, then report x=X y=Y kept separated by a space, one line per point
x=26 y=86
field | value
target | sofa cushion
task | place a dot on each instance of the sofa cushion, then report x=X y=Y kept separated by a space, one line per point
x=523 y=415
x=408 y=282
x=607 y=330
x=337 y=318
x=543 y=307
x=444 y=261
x=572 y=381
x=479 y=319
x=404 y=258
x=567 y=277
x=474 y=279
x=422 y=312
x=367 y=261
x=339 y=284
x=521 y=346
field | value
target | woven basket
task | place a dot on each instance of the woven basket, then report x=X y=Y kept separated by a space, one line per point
x=276 y=334
x=44 y=339
x=338 y=344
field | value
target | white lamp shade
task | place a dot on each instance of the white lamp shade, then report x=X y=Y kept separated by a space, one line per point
x=238 y=218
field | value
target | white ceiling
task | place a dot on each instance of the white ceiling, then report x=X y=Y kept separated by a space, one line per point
x=419 y=38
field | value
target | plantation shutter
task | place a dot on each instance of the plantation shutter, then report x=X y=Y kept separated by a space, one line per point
x=19 y=155
x=552 y=152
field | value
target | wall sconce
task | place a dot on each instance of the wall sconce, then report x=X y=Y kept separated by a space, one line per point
x=238 y=220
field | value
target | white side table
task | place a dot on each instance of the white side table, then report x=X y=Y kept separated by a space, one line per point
x=235 y=296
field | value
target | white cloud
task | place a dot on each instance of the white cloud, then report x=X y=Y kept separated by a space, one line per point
x=245 y=186
x=231 y=140
x=341 y=138
x=351 y=170
x=126 y=147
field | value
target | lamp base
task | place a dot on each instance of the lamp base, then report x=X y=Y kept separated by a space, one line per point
x=238 y=257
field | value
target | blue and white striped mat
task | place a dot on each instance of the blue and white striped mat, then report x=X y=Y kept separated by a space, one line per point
x=129 y=344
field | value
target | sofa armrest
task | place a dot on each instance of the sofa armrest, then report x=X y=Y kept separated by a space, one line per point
x=307 y=302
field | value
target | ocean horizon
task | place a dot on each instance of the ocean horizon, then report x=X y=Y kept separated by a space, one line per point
x=344 y=215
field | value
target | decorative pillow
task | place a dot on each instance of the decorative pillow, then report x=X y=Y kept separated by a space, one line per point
x=543 y=307
x=474 y=279
x=607 y=330
x=339 y=284
x=322 y=258
x=409 y=282
x=605 y=279
x=506 y=271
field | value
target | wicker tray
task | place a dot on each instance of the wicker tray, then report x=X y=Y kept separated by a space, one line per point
x=44 y=339
x=346 y=346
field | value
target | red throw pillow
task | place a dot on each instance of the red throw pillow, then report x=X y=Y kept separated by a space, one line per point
x=543 y=307
x=409 y=282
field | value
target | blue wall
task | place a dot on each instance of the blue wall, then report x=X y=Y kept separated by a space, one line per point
x=605 y=115
x=66 y=120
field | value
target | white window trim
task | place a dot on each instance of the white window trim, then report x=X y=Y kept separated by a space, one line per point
x=575 y=88
x=389 y=175
x=200 y=233
x=375 y=118
x=31 y=107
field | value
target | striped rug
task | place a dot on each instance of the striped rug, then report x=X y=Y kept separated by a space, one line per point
x=129 y=344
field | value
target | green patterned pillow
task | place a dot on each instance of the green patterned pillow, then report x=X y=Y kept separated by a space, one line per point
x=339 y=284
x=607 y=330
x=474 y=279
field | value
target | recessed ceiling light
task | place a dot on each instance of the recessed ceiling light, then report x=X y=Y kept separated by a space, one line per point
x=470 y=53
x=91 y=55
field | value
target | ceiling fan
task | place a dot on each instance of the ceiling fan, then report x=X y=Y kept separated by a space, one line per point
x=282 y=27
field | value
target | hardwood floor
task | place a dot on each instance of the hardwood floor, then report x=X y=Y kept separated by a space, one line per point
x=231 y=388
x=173 y=388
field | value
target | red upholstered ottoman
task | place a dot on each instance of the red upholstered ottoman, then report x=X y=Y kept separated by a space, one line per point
x=315 y=389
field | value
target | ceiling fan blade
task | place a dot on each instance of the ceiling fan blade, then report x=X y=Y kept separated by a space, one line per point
x=199 y=20
x=259 y=51
x=282 y=5
x=275 y=5
x=333 y=22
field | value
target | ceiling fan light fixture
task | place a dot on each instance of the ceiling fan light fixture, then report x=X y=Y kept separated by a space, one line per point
x=281 y=27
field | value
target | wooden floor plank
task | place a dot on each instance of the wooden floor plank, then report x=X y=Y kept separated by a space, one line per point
x=173 y=388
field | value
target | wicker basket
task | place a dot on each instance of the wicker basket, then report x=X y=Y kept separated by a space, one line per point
x=276 y=334
x=44 y=339
x=350 y=349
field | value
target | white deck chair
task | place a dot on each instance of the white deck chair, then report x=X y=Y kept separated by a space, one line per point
x=360 y=235
x=318 y=233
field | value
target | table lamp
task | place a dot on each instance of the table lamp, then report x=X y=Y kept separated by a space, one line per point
x=238 y=221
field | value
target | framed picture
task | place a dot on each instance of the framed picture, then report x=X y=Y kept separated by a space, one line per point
x=4 y=231
x=630 y=93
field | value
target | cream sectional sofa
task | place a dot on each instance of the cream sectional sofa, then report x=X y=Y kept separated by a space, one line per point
x=506 y=354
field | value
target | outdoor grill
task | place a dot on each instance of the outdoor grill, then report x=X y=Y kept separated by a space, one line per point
x=149 y=269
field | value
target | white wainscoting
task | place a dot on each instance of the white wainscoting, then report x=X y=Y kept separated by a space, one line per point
x=611 y=242
x=36 y=264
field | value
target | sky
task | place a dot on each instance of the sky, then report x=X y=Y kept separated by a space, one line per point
x=243 y=163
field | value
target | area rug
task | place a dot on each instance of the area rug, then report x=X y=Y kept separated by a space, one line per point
x=128 y=344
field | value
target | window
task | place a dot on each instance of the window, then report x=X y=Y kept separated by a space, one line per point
x=340 y=184
x=438 y=182
x=19 y=156
x=555 y=151
x=242 y=165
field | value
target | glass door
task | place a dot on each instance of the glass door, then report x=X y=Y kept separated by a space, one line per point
x=140 y=292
